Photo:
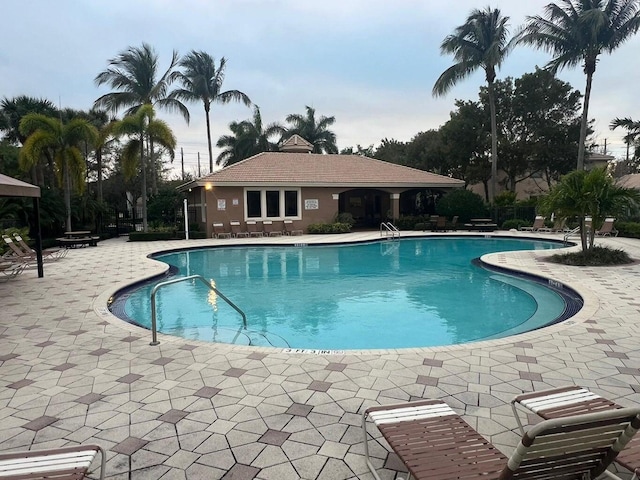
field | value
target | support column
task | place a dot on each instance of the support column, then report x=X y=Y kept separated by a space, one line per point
x=395 y=205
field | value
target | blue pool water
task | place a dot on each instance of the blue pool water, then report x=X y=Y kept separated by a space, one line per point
x=408 y=293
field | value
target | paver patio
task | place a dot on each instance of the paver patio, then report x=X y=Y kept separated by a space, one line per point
x=70 y=372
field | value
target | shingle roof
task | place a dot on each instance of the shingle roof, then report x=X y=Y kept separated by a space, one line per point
x=306 y=169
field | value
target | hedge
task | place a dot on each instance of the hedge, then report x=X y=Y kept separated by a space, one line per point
x=336 y=227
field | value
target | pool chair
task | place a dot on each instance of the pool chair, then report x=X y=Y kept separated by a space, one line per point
x=252 y=228
x=53 y=254
x=538 y=224
x=435 y=443
x=607 y=229
x=270 y=229
x=54 y=463
x=236 y=230
x=16 y=254
x=574 y=400
x=219 y=231
x=11 y=269
x=289 y=230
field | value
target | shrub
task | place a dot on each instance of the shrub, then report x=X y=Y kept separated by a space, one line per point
x=505 y=199
x=151 y=236
x=464 y=203
x=323 y=228
x=516 y=223
x=628 y=229
x=593 y=257
x=410 y=222
x=344 y=217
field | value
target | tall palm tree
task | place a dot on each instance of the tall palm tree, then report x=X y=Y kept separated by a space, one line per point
x=248 y=138
x=576 y=32
x=481 y=42
x=140 y=126
x=202 y=82
x=631 y=126
x=62 y=140
x=314 y=131
x=134 y=74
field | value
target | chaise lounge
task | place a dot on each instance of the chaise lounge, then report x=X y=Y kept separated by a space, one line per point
x=435 y=443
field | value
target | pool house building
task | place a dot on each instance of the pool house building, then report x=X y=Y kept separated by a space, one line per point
x=305 y=188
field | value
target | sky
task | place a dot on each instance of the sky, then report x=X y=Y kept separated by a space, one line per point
x=369 y=63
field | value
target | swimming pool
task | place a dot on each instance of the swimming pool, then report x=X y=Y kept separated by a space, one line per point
x=408 y=293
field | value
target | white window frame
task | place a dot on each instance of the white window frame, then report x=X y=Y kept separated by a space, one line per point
x=263 y=203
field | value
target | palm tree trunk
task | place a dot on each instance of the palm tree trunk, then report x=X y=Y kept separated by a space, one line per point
x=494 y=143
x=206 y=111
x=585 y=119
x=154 y=168
x=99 y=167
x=143 y=166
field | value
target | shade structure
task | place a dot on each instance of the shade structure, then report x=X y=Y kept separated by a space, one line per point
x=11 y=187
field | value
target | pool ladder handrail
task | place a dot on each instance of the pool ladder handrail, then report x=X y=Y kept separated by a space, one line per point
x=154 y=329
x=387 y=228
x=571 y=233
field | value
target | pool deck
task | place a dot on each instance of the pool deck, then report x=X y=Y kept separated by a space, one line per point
x=70 y=372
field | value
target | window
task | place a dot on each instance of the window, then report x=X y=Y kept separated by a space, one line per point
x=272 y=204
x=254 y=209
x=290 y=203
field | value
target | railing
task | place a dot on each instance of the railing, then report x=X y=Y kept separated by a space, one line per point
x=571 y=233
x=387 y=228
x=154 y=329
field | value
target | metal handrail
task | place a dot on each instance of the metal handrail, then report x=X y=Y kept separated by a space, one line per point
x=389 y=227
x=154 y=329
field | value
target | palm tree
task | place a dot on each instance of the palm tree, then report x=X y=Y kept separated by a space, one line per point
x=481 y=42
x=631 y=126
x=576 y=32
x=202 y=81
x=138 y=127
x=248 y=138
x=314 y=132
x=133 y=73
x=62 y=140
x=592 y=194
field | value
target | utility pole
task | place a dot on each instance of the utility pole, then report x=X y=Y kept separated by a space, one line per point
x=199 y=174
x=182 y=162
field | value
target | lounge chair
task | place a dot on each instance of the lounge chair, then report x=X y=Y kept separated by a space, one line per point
x=454 y=223
x=573 y=400
x=270 y=229
x=11 y=269
x=252 y=228
x=47 y=254
x=607 y=229
x=236 y=230
x=219 y=231
x=435 y=443
x=289 y=230
x=54 y=463
x=16 y=253
x=538 y=223
x=441 y=224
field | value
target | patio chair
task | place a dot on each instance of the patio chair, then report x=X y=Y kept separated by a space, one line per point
x=573 y=400
x=55 y=463
x=441 y=224
x=270 y=229
x=435 y=443
x=55 y=253
x=607 y=229
x=16 y=253
x=236 y=230
x=453 y=224
x=289 y=230
x=219 y=231
x=538 y=223
x=11 y=269
x=252 y=228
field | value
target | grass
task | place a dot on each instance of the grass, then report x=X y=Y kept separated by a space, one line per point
x=594 y=257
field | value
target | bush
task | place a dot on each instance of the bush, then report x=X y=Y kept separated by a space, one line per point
x=516 y=223
x=322 y=228
x=628 y=229
x=410 y=222
x=593 y=257
x=344 y=217
x=151 y=236
x=464 y=203
x=505 y=199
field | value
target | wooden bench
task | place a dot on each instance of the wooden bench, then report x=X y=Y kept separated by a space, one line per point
x=68 y=463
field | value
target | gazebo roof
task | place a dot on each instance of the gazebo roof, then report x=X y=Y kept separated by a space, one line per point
x=11 y=187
